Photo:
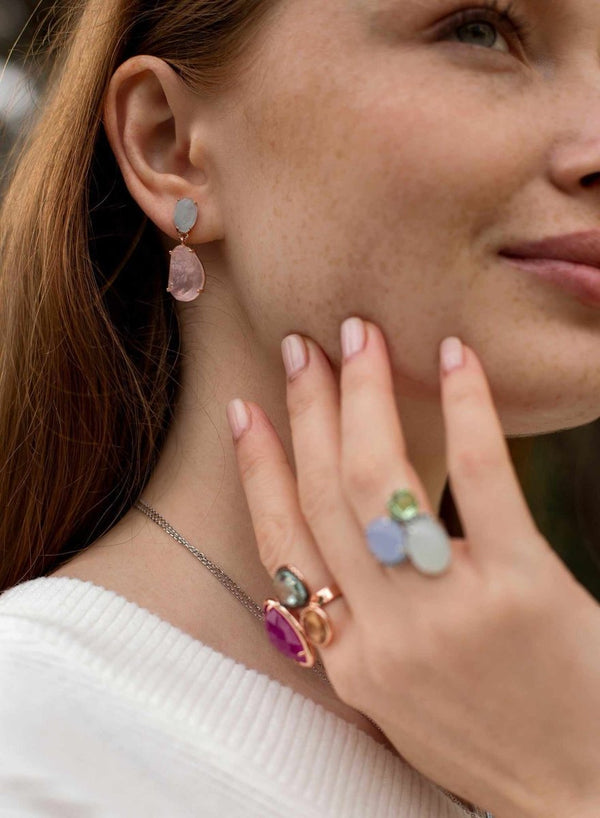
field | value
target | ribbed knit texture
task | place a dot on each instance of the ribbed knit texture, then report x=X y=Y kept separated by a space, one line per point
x=108 y=710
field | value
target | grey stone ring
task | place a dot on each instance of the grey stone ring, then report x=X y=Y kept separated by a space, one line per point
x=407 y=534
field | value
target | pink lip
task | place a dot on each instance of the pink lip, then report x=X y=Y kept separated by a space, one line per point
x=580 y=280
x=571 y=262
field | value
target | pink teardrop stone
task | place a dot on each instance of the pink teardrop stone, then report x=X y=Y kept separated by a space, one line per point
x=186 y=274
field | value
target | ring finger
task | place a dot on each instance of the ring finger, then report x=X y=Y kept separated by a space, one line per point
x=374 y=460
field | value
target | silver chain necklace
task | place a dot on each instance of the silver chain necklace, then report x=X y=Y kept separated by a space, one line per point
x=244 y=599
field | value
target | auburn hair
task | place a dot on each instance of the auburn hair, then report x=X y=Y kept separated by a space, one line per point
x=89 y=341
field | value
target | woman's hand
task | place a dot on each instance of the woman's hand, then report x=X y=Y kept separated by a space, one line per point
x=487 y=678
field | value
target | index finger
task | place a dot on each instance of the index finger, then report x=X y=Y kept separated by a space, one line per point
x=485 y=487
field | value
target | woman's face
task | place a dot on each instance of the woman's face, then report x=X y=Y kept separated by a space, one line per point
x=385 y=151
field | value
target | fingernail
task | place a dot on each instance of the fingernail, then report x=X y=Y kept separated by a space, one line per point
x=354 y=336
x=452 y=355
x=295 y=355
x=238 y=417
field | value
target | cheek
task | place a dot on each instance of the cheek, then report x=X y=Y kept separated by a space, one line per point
x=355 y=203
x=372 y=209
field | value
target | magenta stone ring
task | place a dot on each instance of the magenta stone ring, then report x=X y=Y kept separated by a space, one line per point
x=296 y=639
x=287 y=634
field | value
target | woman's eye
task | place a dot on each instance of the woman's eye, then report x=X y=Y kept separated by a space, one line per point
x=481 y=33
x=486 y=28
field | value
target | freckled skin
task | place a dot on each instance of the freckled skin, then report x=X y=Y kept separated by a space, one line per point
x=380 y=176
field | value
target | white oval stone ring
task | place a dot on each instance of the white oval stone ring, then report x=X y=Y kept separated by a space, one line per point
x=406 y=534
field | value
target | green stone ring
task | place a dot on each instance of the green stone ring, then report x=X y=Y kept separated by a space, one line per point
x=402 y=506
x=290 y=587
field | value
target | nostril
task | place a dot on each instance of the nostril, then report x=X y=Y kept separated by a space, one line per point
x=591 y=179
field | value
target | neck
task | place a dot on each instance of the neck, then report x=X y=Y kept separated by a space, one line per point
x=196 y=485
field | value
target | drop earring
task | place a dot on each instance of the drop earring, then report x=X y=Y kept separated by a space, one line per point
x=186 y=272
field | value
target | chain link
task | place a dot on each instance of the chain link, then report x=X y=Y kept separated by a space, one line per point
x=256 y=611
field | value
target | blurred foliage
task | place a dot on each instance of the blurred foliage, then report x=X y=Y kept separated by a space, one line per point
x=559 y=472
x=562 y=483
x=559 y=477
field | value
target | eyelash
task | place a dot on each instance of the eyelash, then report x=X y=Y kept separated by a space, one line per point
x=496 y=11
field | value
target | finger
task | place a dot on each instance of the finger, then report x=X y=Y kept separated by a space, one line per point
x=491 y=505
x=374 y=457
x=313 y=405
x=282 y=534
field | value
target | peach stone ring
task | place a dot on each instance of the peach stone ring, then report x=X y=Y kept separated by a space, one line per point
x=314 y=619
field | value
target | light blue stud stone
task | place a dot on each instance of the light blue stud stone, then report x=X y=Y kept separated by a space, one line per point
x=386 y=539
x=428 y=545
x=186 y=215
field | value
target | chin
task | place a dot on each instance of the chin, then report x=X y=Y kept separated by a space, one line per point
x=535 y=421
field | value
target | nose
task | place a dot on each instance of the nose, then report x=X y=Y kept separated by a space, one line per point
x=575 y=156
x=577 y=165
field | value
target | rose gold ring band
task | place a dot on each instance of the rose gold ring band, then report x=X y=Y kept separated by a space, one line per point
x=326 y=595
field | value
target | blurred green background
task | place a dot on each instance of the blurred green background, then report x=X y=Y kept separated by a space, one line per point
x=559 y=473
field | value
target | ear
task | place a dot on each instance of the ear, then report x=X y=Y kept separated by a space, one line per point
x=160 y=133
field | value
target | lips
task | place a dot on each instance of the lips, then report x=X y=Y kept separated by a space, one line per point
x=577 y=248
x=571 y=263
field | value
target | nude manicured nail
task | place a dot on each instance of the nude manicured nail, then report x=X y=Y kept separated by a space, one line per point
x=295 y=355
x=238 y=417
x=354 y=337
x=452 y=355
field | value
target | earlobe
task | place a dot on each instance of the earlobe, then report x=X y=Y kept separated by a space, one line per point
x=149 y=117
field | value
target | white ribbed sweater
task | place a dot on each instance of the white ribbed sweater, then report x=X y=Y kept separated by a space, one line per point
x=108 y=711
